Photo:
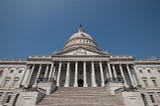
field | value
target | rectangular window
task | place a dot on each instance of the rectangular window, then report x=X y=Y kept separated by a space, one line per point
x=154 y=83
x=1 y=93
x=145 y=83
x=1 y=72
x=15 y=82
x=152 y=98
x=5 y=84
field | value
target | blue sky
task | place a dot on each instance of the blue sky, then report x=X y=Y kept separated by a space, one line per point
x=41 y=27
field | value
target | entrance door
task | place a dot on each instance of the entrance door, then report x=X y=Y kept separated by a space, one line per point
x=80 y=83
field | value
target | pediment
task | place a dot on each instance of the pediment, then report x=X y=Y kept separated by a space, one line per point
x=81 y=52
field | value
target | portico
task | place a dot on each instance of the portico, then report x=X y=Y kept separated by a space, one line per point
x=81 y=64
x=89 y=73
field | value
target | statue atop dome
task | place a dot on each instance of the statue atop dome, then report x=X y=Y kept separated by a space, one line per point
x=80 y=28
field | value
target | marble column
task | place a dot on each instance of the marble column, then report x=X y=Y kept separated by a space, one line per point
x=93 y=79
x=76 y=75
x=50 y=73
x=59 y=74
x=46 y=72
x=135 y=77
x=67 y=75
x=30 y=75
x=130 y=75
x=84 y=75
x=122 y=73
x=114 y=72
x=107 y=73
x=53 y=74
x=109 y=70
x=102 y=75
x=39 y=71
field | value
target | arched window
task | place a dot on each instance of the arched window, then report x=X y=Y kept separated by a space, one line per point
x=149 y=71
x=11 y=71
x=20 y=71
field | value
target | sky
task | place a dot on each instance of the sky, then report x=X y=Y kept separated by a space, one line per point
x=41 y=27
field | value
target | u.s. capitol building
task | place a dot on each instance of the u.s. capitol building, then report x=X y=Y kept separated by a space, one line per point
x=80 y=75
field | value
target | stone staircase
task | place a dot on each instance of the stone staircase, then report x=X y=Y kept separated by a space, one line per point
x=71 y=96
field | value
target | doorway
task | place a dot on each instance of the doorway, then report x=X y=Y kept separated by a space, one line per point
x=80 y=83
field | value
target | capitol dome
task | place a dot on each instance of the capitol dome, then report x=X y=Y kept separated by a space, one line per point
x=80 y=39
x=81 y=35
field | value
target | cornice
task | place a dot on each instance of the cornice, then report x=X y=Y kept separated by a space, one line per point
x=147 y=62
x=13 y=61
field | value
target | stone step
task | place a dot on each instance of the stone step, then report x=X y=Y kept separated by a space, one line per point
x=80 y=97
x=80 y=90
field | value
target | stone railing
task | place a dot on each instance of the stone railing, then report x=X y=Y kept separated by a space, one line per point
x=114 y=80
x=129 y=89
x=32 y=89
x=46 y=80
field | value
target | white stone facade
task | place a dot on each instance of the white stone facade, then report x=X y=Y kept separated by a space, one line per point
x=80 y=64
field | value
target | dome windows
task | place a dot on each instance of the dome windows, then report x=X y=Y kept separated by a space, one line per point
x=149 y=71
x=11 y=71
x=20 y=71
x=140 y=71
x=80 y=39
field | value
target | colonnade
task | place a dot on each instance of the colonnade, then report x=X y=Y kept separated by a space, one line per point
x=35 y=70
x=106 y=70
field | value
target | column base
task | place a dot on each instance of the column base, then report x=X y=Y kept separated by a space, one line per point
x=94 y=85
x=57 y=84
x=102 y=84
x=66 y=85
x=85 y=85
x=75 y=85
